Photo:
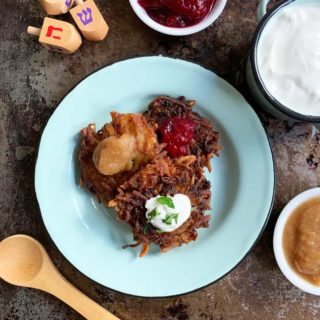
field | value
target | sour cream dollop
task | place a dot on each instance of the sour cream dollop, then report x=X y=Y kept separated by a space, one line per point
x=289 y=57
x=168 y=213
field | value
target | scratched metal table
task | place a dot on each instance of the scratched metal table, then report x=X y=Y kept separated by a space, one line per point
x=33 y=80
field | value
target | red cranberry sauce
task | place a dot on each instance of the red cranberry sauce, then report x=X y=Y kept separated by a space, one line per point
x=177 y=132
x=177 y=13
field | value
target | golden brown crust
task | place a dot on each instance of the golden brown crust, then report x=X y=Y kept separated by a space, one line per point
x=137 y=126
x=165 y=177
x=103 y=186
x=154 y=173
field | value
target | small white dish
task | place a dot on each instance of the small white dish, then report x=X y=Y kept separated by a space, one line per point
x=212 y=17
x=283 y=264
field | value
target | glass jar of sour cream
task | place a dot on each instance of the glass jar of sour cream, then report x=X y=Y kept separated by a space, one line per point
x=283 y=70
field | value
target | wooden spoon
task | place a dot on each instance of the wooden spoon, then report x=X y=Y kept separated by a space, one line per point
x=24 y=262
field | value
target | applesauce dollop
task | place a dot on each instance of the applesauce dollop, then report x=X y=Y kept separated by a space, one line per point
x=301 y=240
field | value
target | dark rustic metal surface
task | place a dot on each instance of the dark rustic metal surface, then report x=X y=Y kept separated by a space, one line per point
x=33 y=80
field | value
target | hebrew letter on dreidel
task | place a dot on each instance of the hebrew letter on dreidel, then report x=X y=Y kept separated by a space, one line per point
x=85 y=16
x=68 y=3
x=57 y=35
x=50 y=32
x=89 y=20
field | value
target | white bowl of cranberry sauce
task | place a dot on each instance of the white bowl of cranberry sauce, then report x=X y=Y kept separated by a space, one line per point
x=178 y=17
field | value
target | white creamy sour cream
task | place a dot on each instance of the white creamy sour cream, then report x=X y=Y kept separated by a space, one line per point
x=289 y=57
x=167 y=219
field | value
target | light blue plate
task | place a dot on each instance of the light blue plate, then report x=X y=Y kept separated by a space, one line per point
x=88 y=234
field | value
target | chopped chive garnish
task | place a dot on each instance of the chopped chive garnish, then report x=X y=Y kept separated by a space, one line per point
x=166 y=201
x=170 y=217
x=153 y=214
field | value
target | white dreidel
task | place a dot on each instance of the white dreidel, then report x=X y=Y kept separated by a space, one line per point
x=89 y=20
x=57 y=35
x=56 y=7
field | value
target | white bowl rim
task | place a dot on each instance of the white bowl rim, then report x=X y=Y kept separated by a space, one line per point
x=283 y=264
x=212 y=17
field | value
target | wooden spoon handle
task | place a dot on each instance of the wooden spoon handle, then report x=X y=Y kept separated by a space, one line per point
x=88 y=308
x=53 y=282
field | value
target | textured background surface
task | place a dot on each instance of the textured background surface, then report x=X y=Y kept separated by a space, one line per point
x=31 y=83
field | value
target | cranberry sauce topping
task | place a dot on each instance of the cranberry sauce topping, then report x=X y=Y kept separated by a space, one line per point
x=177 y=13
x=177 y=132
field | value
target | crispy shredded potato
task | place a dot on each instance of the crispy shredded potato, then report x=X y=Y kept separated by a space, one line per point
x=145 y=148
x=164 y=176
x=139 y=169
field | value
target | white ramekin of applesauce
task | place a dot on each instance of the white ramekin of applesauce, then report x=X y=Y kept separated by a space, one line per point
x=280 y=246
